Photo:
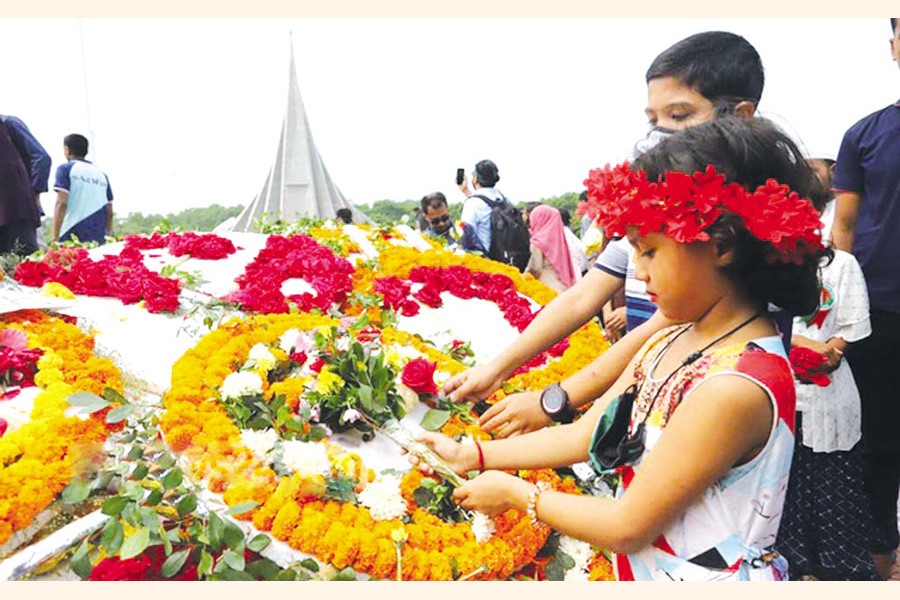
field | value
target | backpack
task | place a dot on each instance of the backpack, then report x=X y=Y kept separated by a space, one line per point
x=510 y=240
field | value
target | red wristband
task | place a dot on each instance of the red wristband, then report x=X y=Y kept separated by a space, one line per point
x=480 y=457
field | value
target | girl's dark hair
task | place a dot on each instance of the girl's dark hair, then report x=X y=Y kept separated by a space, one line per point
x=748 y=152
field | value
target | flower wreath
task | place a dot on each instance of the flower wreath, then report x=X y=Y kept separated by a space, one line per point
x=684 y=206
x=284 y=258
x=207 y=246
x=294 y=507
x=399 y=263
x=39 y=459
x=123 y=276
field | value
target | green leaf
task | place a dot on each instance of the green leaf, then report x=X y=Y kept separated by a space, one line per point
x=172 y=479
x=166 y=539
x=347 y=574
x=423 y=496
x=135 y=543
x=154 y=498
x=310 y=565
x=234 y=560
x=226 y=574
x=81 y=562
x=204 y=566
x=114 y=506
x=119 y=413
x=264 y=569
x=259 y=542
x=435 y=419
x=243 y=507
x=149 y=518
x=166 y=461
x=289 y=575
x=89 y=403
x=113 y=397
x=234 y=537
x=186 y=505
x=215 y=530
x=77 y=491
x=140 y=471
x=112 y=536
x=135 y=453
x=174 y=563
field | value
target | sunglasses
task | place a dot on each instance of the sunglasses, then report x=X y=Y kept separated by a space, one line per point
x=439 y=220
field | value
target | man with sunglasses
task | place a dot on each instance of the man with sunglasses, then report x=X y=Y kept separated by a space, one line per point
x=440 y=225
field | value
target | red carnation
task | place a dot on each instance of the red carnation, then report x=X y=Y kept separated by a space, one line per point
x=807 y=364
x=418 y=375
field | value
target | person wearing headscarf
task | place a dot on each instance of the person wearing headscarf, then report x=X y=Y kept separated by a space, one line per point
x=550 y=260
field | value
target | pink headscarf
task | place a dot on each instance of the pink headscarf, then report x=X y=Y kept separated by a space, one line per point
x=547 y=234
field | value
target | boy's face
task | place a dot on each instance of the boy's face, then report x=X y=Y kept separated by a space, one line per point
x=895 y=45
x=673 y=105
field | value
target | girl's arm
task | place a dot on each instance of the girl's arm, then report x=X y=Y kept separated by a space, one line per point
x=721 y=423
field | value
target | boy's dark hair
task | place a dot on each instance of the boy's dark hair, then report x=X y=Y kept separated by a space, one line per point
x=530 y=206
x=77 y=144
x=345 y=215
x=565 y=215
x=487 y=173
x=435 y=201
x=721 y=66
x=748 y=152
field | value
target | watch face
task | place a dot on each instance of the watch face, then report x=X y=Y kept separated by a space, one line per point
x=553 y=399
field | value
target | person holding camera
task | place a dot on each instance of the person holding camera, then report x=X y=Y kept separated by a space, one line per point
x=476 y=212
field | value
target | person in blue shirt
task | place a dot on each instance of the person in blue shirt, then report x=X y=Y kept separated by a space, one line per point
x=83 y=196
x=476 y=213
x=24 y=171
x=867 y=187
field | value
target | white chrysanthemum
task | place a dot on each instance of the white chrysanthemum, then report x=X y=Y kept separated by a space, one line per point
x=261 y=356
x=440 y=378
x=288 y=340
x=581 y=552
x=482 y=527
x=242 y=383
x=306 y=458
x=383 y=498
x=576 y=574
x=342 y=344
x=260 y=443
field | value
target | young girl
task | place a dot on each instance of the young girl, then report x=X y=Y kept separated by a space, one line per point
x=704 y=460
x=550 y=259
x=827 y=514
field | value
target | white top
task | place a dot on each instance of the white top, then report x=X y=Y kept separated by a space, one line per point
x=831 y=414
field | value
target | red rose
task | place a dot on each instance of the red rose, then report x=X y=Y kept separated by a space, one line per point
x=299 y=358
x=317 y=365
x=418 y=375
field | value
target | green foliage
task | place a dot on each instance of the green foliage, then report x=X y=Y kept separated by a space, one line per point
x=191 y=219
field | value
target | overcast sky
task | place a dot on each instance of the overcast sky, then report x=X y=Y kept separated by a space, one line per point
x=185 y=113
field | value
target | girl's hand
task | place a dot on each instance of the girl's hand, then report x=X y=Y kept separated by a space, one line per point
x=494 y=492
x=454 y=453
x=473 y=384
x=514 y=415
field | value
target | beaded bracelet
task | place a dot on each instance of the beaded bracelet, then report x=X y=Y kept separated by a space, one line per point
x=531 y=508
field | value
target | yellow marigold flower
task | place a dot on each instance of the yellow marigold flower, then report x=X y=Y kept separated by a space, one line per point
x=57 y=290
x=399 y=535
x=328 y=381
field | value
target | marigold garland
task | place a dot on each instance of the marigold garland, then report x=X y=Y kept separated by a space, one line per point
x=40 y=458
x=341 y=533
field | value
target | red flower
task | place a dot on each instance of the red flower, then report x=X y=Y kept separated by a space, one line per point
x=3 y=426
x=317 y=365
x=806 y=364
x=299 y=357
x=418 y=375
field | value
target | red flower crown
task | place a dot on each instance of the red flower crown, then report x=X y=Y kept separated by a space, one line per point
x=683 y=206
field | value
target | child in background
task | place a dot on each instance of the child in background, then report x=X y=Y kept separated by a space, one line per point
x=827 y=513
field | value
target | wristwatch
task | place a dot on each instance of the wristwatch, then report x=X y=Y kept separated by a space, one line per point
x=555 y=403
